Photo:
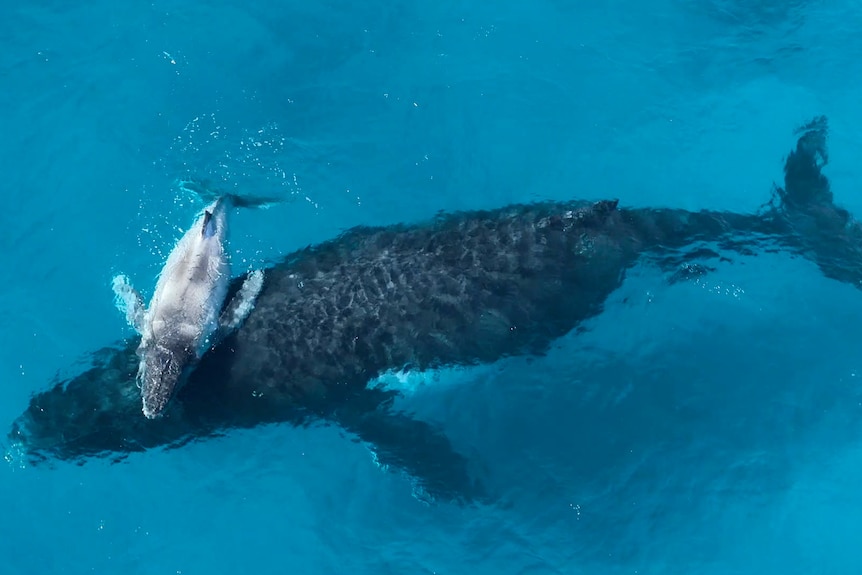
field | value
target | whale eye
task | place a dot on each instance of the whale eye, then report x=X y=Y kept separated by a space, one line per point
x=208 y=228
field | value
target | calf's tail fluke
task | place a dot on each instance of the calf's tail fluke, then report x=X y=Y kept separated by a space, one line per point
x=209 y=192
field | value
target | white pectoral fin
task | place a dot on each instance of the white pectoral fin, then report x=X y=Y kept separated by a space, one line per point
x=241 y=304
x=129 y=302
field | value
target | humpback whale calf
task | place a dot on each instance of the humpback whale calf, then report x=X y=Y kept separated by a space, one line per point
x=185 y=317
x=464 y=288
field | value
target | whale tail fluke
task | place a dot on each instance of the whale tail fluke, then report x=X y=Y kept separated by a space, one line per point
x=822 y=231
x=208 y=192
x=805 y=184
x=801 y=217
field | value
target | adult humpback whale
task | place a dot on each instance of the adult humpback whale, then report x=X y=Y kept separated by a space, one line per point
x=462 y=289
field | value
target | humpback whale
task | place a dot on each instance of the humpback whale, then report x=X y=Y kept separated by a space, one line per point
x=463 y=288
x=185 y=316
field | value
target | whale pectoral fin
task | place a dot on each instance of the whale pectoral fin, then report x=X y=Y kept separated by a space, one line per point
x=397 y=440
x=129 y=302
x=240 y=305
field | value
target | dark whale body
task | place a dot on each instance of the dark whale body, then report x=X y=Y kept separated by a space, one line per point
x=463 y=289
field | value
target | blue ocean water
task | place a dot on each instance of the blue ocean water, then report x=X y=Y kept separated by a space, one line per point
x=708 y=426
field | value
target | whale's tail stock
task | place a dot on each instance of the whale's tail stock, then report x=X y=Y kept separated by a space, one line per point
x=801 y=218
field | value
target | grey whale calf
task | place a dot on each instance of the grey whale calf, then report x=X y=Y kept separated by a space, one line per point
x=465 y=288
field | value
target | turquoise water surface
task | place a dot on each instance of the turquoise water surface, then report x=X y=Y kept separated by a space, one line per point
x=707 y=426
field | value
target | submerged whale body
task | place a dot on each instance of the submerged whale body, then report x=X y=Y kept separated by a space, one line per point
x=462 y=289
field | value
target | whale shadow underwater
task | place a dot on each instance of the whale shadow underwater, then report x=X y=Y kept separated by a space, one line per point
x=462 y=289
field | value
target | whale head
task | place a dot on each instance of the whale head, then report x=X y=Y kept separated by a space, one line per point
x=164 y=365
